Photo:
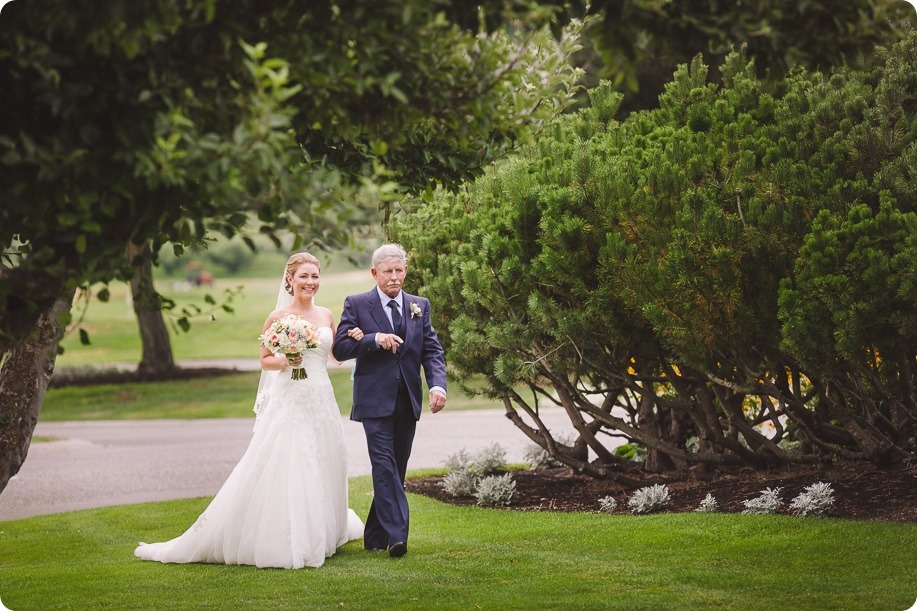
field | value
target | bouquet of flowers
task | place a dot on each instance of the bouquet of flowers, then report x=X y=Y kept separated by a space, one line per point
x=290 y=336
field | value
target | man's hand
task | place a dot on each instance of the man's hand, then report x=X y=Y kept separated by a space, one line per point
x=389 y=341
x=437 y=401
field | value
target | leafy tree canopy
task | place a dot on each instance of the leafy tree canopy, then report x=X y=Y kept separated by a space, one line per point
x=638 y=43
x=128 y=121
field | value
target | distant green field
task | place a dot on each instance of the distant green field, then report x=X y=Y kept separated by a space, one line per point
x=114 y=336
x=225 y=396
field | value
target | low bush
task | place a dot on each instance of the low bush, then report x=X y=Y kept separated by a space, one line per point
x=496 y=490
x=768 y=502
x=815 y=500
x=608 y=504
x=460 y=482
x=708 y=505
x=649 y=499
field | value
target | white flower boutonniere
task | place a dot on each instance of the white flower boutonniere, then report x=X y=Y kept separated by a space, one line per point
x=415 y=310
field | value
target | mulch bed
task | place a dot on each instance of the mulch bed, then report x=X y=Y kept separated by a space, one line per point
x=861 y=491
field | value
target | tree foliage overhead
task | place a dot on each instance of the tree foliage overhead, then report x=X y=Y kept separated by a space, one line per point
x=726 y=279
x=638 y=43
x=158 y=120
x=132 y=122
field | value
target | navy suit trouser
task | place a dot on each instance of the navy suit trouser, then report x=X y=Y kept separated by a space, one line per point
x=389 y=440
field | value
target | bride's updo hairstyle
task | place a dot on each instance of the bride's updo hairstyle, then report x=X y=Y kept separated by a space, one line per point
x=293 y=264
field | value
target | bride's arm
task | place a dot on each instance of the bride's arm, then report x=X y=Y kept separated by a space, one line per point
x=355 y=333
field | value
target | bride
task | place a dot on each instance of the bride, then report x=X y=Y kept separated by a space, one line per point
x=285 y=503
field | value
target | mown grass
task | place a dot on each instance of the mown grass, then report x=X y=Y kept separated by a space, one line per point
x=114 y=336
x=112 y=328
x=467 y=558
x=225 y=396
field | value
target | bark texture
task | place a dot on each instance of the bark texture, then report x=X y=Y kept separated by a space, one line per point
x=24 y=375
x=157 y=355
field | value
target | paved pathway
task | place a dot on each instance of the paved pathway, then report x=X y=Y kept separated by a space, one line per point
x=116 y=462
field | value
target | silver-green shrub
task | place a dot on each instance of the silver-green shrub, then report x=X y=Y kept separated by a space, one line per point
x=608 y=504
x=489 y=459
x=537 y=457
x=649 y=499
x=460 y=482
x=768 y=502
x=496 y=490
x=815 y=500
x=458 y=460
x=708 y=505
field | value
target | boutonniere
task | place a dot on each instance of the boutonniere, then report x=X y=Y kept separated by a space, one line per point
x=415 y=310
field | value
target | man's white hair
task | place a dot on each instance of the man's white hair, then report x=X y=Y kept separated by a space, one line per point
x=388 y=252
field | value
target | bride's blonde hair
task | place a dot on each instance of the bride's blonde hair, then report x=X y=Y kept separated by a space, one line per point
x=293 y=263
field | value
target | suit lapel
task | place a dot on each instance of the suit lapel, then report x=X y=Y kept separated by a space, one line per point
x=375 y=309
x=408 y=318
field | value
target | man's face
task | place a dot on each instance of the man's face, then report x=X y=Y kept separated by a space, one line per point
x=390 y=275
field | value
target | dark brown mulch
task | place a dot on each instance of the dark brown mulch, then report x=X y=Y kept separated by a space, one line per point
x=93 y=377
x=861 y=491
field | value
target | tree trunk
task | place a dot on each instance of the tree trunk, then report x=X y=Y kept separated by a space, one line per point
x=154 y=336
x=24 y=375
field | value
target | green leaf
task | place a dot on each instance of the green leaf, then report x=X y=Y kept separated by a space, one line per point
x=379 y=147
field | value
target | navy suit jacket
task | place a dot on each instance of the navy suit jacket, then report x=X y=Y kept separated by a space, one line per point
x=378 y=372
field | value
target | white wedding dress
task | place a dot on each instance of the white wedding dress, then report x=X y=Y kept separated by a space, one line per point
x=285 y=503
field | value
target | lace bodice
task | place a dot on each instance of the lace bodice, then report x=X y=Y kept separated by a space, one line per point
x=316 y=359
x=315 y=362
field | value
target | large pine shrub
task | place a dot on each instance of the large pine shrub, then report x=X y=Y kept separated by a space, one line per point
x=727 y=279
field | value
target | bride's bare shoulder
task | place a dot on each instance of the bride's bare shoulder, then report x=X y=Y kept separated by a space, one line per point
x=275 y=316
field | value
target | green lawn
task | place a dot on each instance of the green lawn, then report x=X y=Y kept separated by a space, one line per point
x=227 y=396
x=114 y=336
x=471 y=558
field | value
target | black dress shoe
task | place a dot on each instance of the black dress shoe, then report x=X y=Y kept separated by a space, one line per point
x=397 y=550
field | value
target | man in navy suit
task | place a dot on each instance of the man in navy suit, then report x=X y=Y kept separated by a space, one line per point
x=397 y=338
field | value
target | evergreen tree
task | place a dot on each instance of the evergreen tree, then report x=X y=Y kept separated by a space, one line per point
x=714 y=279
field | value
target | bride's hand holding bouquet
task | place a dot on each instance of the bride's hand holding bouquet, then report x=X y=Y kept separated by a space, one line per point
x=291 y=336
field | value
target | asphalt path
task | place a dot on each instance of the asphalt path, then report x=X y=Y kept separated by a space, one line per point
x=117 y=462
